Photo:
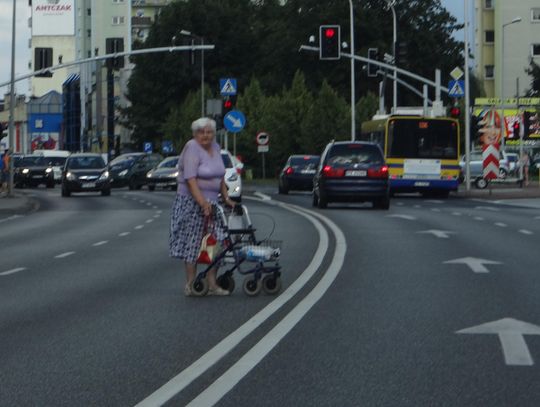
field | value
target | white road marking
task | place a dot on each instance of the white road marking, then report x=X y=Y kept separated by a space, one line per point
x=13 y=217
x=12 y=271
x=205 y=362
x=66 y=254
x=264 y=197
x=149 y=220
x=526 y=232
x=157 y=216
x=240 y=369
x=408 y=217
x=501 y=225
x=154 y=207
x=160 y=211
x=441 y=234
x=456 y=213
x=475 y=264
x=399 y=203
x=138 y=227
x=148 y=204
x=510 y=332
x=142 y=201
x=435 y=210
x=537 y=217
x=101 y=243
x=124 y=234
x=487 y=208
x=479 y=218
x=435 y=201
x=417 y=206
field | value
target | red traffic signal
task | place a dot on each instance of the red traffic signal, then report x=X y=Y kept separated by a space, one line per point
x=455 y=112
x=329 y=32
x=329 y=42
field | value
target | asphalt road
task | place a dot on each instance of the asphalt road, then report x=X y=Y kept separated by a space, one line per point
x=375 y=309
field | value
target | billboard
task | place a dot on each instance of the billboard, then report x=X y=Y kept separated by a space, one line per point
x=53 y=17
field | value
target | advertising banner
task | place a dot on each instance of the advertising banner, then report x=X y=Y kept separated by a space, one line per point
x=53 y=17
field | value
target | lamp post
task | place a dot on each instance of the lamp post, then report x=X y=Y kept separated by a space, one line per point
x=190 y=34
x=467 y=101
x=503 y=124
x=390 y=5
x=353 y=101
x=12 y=104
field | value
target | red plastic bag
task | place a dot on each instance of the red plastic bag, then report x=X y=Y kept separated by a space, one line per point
x=209 y=245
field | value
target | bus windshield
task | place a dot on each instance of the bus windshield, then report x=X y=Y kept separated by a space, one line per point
x=422 y=138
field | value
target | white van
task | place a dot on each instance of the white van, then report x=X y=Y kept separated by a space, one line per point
x=57 y=159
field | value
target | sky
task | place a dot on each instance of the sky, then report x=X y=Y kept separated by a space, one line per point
x=22 y=52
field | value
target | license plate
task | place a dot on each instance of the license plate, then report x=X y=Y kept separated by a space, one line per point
x=307 y=172
x=37 y=176
x=355 y=173
x=89 y=185
x=421 y=184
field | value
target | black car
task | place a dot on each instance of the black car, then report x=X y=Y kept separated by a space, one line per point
x=164 y=175
x=130 y=169
x=352 y=172
x=298 y=172
x=85 y=172
x=31 y=171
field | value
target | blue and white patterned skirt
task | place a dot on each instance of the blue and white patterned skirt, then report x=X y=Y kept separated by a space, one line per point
x=187 y=228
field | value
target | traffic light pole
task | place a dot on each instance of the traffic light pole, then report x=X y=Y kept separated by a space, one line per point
x=353 y=86
x=467 y=103
x=64 y=65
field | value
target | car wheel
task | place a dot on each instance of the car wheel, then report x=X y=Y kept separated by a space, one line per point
x=65 y=192
x=106 y=192
x=132 y=184
x=481 y=183
x=151 y=187
x=382 y=203
x=323 y=202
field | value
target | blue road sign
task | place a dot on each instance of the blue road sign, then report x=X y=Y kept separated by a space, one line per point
x=456 y=89
x=167 y=147
x=234 y=121
x=147 y=147
x=227 y=86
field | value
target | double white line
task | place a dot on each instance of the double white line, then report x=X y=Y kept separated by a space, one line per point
x=242 y=367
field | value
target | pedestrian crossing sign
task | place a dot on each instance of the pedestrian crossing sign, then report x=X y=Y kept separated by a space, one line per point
x=456 y=89
x=227 y=86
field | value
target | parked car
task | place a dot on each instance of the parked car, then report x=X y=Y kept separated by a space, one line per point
x=352 y=171
x=85 y=172
x=130 y=169
x=476 y=165
x=298 y=172
x=164 y=175
x=31 y=171
x=233 y=179
x=56 y=159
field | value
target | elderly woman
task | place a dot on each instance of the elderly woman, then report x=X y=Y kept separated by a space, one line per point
x=200 y=180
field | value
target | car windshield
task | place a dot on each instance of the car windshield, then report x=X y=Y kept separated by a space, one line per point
x=347 y=154
x=168 y=162
x=124 y=161
x=56 y=161
x=304 y=162
x=31 y=161
x=86 y=163
x=226 y=160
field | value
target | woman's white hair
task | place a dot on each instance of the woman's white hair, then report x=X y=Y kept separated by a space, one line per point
x=203 y=122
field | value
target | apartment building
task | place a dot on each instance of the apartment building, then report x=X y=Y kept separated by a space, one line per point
x=507 y=38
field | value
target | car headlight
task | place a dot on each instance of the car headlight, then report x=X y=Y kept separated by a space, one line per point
x=149 y=174
x=174 y=175
x=123 y=173
x=71 y=177
x=233 y=177
x=25 y=171
x=48 y=170
x=104 y=176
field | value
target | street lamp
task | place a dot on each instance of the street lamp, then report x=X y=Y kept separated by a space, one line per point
x=503 y=124
x=190 y=34
x=12 y=104
x=390 y=5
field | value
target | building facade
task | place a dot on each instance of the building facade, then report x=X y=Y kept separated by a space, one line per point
x=507 y=39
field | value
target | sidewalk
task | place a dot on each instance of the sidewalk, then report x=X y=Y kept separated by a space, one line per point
x=17 y=204
x=500 y=191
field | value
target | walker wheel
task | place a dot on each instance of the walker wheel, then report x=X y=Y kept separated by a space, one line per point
x=252 y=286
x=199 y=287
x=271 y=284
x=226 y=282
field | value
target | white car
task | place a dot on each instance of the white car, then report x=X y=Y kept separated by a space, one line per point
x=233 y=179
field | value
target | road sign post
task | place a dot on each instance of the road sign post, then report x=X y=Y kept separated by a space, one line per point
x=263 y=146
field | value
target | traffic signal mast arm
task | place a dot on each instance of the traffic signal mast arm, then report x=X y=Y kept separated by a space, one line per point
x=115 y=55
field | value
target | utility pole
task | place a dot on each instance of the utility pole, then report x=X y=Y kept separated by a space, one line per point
x=12 y=104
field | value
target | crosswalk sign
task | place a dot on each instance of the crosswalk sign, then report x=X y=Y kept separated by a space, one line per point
x=227 y=86
x=456 y=89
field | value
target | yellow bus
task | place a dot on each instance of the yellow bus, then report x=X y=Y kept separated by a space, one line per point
x=422 y=153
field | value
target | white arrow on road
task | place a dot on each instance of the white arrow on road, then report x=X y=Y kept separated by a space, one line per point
x=408 y=217
x=441 y=234
x=235 y=122
x=476 y=265
x=510 y=332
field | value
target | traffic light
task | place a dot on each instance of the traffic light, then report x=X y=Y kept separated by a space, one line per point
x=329 y=42
x=227 y=104
x=515 y=129
x=401 y=53
x=372 y=53
x=455 y=112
